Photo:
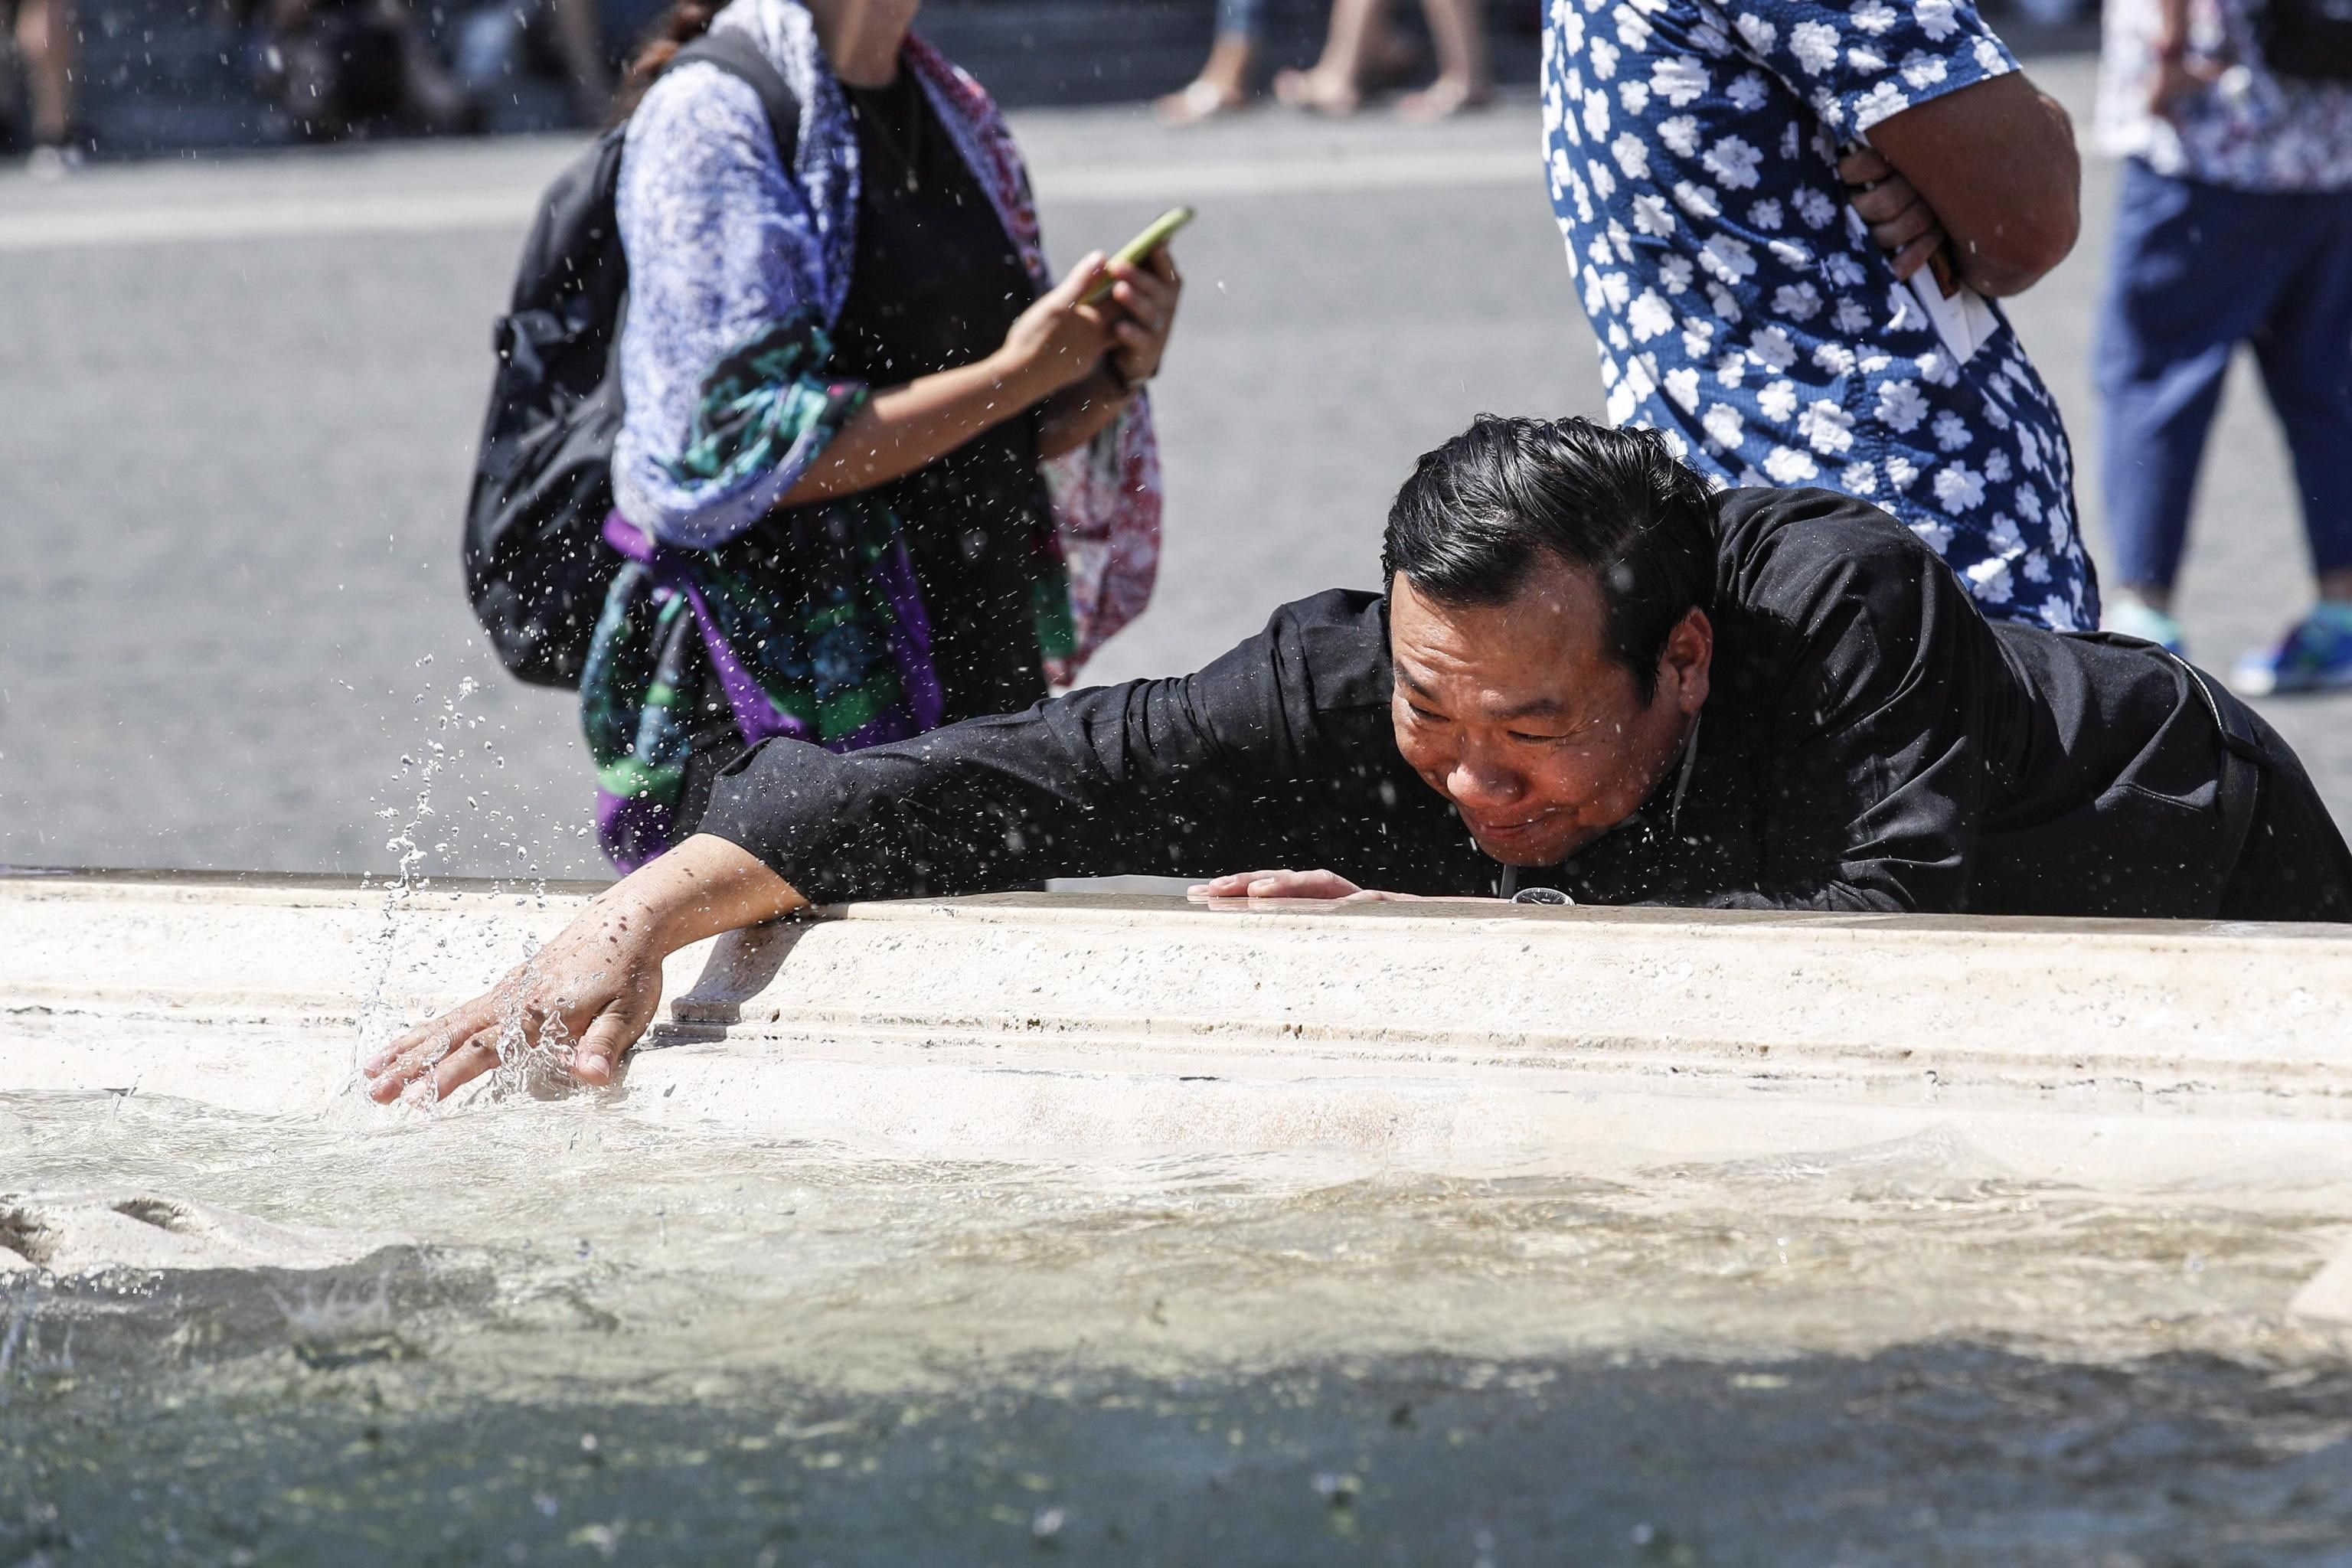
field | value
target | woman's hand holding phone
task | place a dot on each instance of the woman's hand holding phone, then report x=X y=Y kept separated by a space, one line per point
x=1059 y=340
x=1147 y=296
x=1109 y=314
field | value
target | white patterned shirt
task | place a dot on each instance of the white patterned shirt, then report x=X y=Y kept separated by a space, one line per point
x=2252 y=130
x=1692 y=150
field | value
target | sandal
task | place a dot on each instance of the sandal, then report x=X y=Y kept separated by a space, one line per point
x=1202 y=99
x=1305 y=90
x=1442 y=99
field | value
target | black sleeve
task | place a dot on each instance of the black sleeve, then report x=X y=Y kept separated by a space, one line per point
x=1278 y=754
x=1874 y=775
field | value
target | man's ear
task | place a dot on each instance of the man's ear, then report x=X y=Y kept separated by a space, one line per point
x=1684 y=669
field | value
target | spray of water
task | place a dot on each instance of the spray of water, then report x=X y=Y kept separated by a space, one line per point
x=419 y=834
x=531 y=1049
x=340 y=1327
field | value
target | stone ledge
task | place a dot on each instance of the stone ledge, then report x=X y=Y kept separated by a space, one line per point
x=2145 y=1050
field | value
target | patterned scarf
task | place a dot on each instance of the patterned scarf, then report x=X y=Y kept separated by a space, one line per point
x=811 y=620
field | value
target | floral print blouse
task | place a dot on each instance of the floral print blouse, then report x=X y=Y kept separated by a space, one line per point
x=1691 y=148
x=2251 y=130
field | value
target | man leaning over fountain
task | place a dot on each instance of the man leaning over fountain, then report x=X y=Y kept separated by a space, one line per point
x=1592 y=677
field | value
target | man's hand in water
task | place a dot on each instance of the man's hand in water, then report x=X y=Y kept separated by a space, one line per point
x=598 y=983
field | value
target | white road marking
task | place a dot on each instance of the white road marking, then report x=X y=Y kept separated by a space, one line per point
x=421 y=212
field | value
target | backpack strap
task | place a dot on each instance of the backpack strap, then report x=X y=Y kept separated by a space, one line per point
x=736 y=54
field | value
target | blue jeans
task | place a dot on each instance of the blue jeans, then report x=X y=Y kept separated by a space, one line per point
x=2198 y=269
x=1241 y=18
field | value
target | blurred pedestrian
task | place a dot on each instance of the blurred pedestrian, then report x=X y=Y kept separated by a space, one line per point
x=1764 y=292
x=1362 y=52
x=40 y=46
x=563 y=39
x=344 y=68
x=877 y=471
x=1224 y=81
x=2235 y=227
x=580 y=43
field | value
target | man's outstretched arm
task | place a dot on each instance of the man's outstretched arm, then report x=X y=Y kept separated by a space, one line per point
x=1105 y=780
x=1226 y=767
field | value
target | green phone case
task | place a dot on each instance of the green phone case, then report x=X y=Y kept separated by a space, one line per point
x=1162 y=229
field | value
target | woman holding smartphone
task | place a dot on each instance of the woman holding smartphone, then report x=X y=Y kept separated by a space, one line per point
x=876 y=472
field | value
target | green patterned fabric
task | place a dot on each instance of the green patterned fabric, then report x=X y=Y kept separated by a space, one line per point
x=809 y=619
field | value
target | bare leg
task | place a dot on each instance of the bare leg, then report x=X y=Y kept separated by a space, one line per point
x=2337 y=586
x=45 y=40
x=1223 y=84
x=1465 y=80
x=579 y=40
x=1335 y=84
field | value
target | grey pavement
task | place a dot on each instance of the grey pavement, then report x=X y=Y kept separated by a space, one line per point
x=238 y=402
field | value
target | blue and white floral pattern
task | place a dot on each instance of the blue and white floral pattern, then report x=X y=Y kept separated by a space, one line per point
x=1691 y=150
x=2251 y=129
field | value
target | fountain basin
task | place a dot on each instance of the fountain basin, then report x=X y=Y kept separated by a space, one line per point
x=1126 y=1230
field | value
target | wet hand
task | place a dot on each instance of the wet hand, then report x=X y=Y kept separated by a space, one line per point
x=578 y=1003
x=1148 y=297
x=1900 y=221
x=1058 y=340
x=587 y=995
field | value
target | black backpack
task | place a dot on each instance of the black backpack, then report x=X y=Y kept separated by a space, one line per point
x=2310 y=40
x=537 y=565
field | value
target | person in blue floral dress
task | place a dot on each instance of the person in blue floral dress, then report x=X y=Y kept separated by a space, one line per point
x=1758 y=199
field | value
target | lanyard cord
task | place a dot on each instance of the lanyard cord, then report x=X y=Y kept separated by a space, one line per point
x=1682 y=783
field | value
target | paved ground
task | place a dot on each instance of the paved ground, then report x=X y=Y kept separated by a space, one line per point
x=240 y=403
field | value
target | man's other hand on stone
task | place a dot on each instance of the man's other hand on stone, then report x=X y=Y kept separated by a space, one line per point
x=1328 y=886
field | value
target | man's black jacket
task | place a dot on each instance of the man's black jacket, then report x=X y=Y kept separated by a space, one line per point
x=1870 y=743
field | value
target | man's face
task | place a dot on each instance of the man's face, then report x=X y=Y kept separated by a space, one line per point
x=1517 y=714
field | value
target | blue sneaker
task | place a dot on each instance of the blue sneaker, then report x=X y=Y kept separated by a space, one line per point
x=2315 y=655
x=2146 y=622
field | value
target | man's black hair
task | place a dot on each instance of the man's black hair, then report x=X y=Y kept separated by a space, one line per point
x=1467 y=525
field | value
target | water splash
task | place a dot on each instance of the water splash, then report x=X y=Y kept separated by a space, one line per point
x=418 y=770
x=337 y=1327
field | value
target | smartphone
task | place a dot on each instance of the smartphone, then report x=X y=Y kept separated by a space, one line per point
x=1137 y=251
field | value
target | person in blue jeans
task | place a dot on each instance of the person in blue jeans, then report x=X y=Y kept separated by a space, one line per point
x=2235 y=227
